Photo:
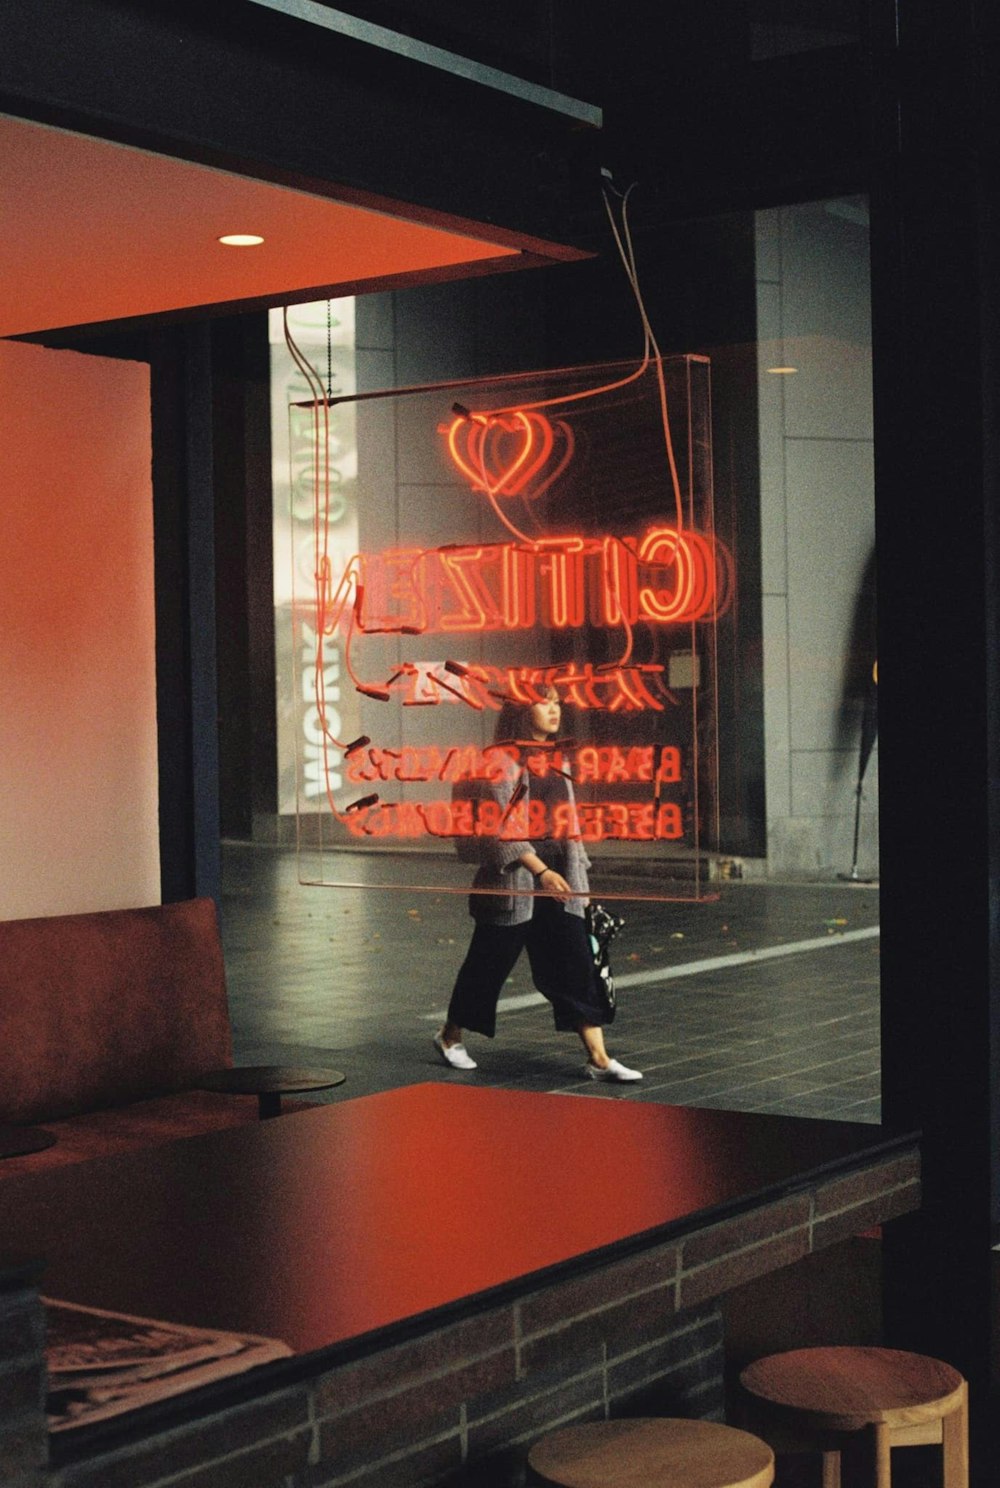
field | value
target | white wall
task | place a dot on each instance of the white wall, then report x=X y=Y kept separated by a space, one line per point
x=817 y=514
x=78 y=782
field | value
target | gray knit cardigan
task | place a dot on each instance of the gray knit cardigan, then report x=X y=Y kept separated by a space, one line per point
x=499 y=867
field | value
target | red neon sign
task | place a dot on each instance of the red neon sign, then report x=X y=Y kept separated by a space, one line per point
x=612 y=689
x=594 y=821
x=666 y=577
x=462 y=569
x=610 y=764
x=505 y=454
x=542 y=578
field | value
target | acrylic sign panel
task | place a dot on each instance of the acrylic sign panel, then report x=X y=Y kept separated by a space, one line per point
x=540 y=537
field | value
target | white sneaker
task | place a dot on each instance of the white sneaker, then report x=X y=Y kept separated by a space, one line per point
x=614 y=1071
x=457 y=1055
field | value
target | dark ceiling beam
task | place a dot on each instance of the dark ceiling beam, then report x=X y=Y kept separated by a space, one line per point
x=746 y=135
x=274 y=96
x=244 y=88
x=438 y=59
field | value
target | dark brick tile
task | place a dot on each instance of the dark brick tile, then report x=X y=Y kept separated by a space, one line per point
x=640 y=1318
x=581 y=1399
x=429 y=1409
x=747 y=1229
x=349 y=1442
x=263 y=1467
x=858 y=1188
x=865 y=1216
x=570 y=1350
x=559 y=1304
x=186 y=1449
x=676 y=1394
x=701 y=1339
x=394 y=1368
x=625 y=1325
x=434 y=1462
x=733 y=1270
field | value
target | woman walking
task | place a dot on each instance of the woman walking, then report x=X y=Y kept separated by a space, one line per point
x=509 y=918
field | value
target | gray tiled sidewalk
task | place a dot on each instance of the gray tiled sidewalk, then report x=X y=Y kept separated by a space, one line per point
x=356 y=979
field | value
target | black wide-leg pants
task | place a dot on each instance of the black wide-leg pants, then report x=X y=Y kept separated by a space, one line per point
x=562 y=969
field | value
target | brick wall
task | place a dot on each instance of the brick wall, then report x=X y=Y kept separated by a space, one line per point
x=468 y=1403
x=460 y=1405
x=23 y=1428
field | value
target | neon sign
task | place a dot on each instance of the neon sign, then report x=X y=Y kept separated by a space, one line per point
x=532 y=546
x=507 y=454
x=591 y=821
x=664 y=577
x=617 y=689
x=609 y=765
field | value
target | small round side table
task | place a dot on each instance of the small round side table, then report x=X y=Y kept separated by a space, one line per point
x=269 y=1082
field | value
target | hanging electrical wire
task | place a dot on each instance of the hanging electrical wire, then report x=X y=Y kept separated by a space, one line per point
x=651 y=354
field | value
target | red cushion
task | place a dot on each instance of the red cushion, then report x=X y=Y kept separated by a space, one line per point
x=100 y=1009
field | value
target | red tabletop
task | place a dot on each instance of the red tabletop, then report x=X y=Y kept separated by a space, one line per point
x=329 y=1224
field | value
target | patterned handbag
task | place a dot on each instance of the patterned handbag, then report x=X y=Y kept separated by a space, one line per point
x=602 y=927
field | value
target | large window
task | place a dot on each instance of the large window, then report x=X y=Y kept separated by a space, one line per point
x=398 y=504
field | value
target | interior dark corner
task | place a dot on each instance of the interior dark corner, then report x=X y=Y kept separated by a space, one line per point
x=452 y=457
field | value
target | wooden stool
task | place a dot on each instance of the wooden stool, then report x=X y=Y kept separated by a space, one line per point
x=861 y=1402
x=652 y=1453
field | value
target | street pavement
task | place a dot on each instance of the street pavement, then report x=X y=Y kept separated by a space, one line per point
x=764 y=999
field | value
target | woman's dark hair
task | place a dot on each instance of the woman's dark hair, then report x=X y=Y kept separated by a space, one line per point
x=514 y=719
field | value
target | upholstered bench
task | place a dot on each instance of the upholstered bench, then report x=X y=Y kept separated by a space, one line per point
x=106 y=1021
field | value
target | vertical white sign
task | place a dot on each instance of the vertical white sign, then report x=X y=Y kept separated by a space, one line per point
x=324 y=333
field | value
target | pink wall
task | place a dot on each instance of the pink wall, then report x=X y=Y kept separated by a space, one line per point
x=78 y=791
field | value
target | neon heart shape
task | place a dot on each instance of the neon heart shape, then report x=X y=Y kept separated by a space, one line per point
x=502 y=454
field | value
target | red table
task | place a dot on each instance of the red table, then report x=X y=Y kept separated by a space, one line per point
x=335 y=1224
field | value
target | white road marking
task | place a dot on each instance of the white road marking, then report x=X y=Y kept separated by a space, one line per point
x=695 y=968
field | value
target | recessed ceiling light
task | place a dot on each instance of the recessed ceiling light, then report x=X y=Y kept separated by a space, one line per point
x=782 y=371
x=241 y=240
